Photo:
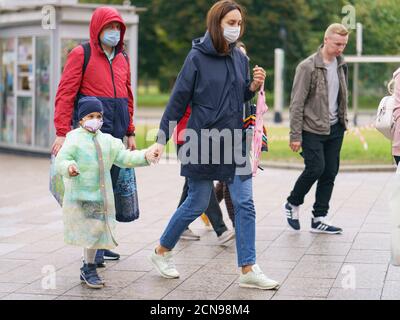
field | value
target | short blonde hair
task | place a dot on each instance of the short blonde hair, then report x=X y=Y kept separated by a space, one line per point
x=336 y=28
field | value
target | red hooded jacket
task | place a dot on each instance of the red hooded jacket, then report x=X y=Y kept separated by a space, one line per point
x=111 y=83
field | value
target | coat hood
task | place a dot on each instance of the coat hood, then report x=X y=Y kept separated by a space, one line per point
x=100 y=18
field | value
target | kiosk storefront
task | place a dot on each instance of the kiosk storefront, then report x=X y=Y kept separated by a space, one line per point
x=35 y=38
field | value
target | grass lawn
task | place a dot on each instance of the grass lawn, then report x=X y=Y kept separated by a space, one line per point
x=353 y=151
x=152 y=97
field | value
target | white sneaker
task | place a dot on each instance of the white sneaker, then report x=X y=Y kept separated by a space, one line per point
x=226 y=237
x=164 y=265
x=190 y=235
x=257 y=279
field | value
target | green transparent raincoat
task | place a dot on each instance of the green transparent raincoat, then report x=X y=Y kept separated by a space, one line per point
x=88 y=204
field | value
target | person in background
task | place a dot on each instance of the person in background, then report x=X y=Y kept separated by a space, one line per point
x=318 y=120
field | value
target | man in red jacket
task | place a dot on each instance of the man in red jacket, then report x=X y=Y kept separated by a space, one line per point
x=106 y=76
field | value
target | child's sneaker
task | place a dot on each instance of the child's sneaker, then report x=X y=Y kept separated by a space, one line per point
x=257 y=279
x=319 y=225
x=292 y=215
x=90 y=277
x=164 y=265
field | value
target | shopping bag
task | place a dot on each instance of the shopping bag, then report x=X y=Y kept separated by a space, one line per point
x=56 y=184
x=126 y=197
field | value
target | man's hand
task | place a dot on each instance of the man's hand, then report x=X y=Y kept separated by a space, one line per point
x=58 y=142
x=131 y=143
x=295 y=146
x=73 y=170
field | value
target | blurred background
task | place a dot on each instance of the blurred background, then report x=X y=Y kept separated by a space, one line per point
x=158 y=39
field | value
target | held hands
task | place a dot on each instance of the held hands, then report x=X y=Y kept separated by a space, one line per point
x=259 y=76
x=154 y=153
x=73 y=170
x=295 y=146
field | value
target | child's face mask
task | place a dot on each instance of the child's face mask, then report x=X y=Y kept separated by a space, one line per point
x=92 y=125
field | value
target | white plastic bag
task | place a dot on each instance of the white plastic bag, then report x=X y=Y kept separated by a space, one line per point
x=384 y=119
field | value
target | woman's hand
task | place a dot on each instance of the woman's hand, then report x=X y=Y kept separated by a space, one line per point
x=259 y=76
x=158 y=150
x=151 y=155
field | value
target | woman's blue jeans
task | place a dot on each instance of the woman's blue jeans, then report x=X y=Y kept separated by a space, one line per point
x=197 y=202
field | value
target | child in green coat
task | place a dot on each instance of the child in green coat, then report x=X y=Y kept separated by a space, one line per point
x=84 y=161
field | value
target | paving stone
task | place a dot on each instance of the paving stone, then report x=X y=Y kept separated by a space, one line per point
x=391 y=290
x=357 y=294
x=372 y=241
x=308 y=266
x=20 y=296
x=393 y=273
x=234 y=292
x=308 y=269
x=191 y=295
x=208 y=282
x=368 y=256
x=361 y=276
x=329 y=248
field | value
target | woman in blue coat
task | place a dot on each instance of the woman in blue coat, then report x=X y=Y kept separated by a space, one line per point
x=215 y=81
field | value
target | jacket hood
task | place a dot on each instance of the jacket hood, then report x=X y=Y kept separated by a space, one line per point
x=100 y=18
x=206 y=46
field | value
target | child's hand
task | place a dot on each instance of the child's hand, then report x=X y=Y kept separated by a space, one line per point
x=73 y=170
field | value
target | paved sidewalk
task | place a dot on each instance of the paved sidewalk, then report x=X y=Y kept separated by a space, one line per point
x=308 y=266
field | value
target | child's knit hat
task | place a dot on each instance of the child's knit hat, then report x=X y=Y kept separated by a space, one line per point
x=88 y=105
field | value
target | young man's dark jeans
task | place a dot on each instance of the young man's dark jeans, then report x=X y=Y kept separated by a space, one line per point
x=321 y=155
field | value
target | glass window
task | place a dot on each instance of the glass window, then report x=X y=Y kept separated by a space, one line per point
x=7 y=104
x=25 y=72
x=42 y=92
x=24 y=120
x=66 y=46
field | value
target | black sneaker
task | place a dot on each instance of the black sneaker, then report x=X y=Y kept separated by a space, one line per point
x=318 y=225
x=90 y=277
x=109 y=255
x=292 y=215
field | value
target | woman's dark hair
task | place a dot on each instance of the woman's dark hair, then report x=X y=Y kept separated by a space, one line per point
x=214 y=17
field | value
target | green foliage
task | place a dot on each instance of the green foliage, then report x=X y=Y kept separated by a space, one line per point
x=167 y=29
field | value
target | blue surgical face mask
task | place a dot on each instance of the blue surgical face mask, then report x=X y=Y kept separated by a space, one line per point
x=111 y=37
